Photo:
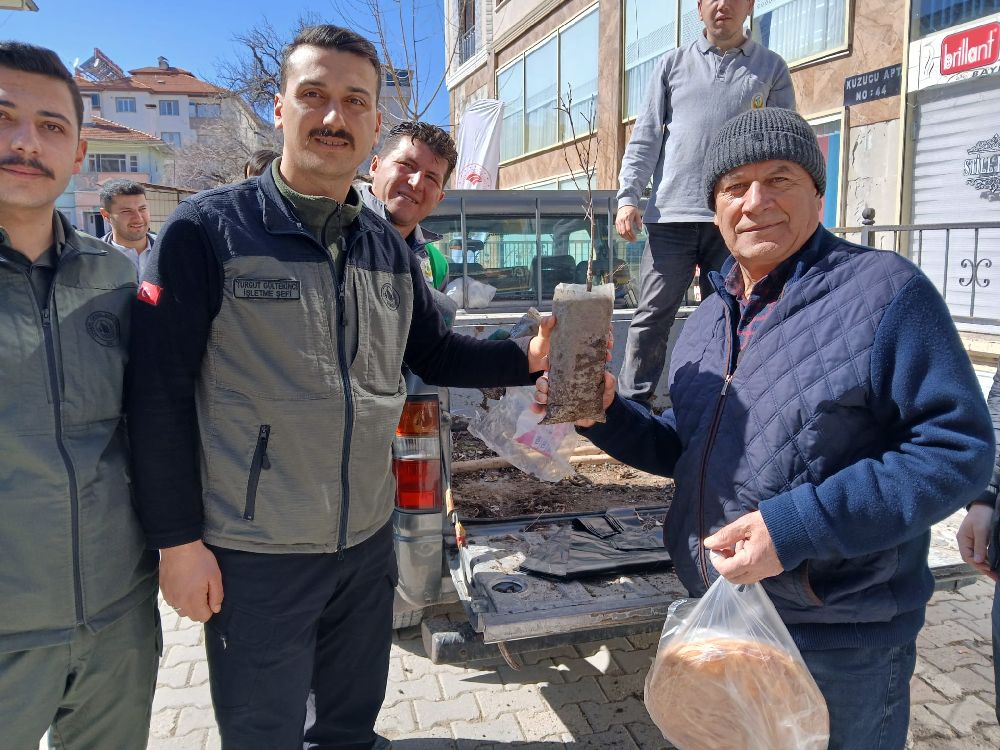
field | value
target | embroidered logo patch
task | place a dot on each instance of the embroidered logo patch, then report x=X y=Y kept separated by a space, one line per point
x=390 y=297
x=104 y=328
x=266 y=288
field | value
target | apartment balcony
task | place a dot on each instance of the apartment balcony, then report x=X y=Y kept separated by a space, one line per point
x=467 y=46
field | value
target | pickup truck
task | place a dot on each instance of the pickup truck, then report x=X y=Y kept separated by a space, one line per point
x=445 y=558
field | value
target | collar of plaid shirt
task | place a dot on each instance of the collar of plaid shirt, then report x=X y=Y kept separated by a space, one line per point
x=757 y=307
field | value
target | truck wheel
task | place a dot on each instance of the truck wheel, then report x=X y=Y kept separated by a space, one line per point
x=407 y=619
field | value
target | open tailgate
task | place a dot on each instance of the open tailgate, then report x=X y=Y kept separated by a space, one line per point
x=504 y=603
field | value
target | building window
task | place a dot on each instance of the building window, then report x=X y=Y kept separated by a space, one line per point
x=828 y=134
x=467 y=45
x=936 y=15
x=541 y=95
x=95 y=100
x=578 y=76
x=510 y=90
x=798 y=29
x=651 y=29
x=196 y=109
x=112 y=163
x=170 y=107
x=171 y=139
x=530 y=88
x=124 y=104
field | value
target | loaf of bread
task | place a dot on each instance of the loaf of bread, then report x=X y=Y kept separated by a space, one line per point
x=715 y=693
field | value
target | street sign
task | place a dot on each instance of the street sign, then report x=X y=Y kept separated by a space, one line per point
x=876 y=84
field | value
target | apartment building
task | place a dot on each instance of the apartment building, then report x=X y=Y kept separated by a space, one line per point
x=875 y=78
x=167 y=102
x=904 y=96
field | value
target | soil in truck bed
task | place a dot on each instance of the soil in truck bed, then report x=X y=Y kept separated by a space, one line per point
x=502 y=493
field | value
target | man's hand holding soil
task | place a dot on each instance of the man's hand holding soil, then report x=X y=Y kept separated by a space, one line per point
x=538 y=347
x=541 y=341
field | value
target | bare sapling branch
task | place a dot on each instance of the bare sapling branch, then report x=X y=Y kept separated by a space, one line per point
x=586 y=151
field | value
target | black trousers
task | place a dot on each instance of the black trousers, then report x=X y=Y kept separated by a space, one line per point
x=291 y=622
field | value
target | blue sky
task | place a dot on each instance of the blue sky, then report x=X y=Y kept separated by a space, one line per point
x=197 y=34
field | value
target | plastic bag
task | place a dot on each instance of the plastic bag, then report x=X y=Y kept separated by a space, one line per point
x=480 y=294
x=511 y=429
x=728 y=675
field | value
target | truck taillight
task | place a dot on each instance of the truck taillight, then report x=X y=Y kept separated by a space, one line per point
x=420 y=417
x=416 y=456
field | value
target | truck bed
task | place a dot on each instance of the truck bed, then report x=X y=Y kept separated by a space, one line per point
x=505 y=604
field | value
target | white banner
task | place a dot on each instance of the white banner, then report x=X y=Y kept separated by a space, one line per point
x=479 y=145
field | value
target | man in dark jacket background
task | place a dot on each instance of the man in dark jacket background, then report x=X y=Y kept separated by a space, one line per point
x=79 y=632
x=264 y=392
x=825 y=415
x=979 y=534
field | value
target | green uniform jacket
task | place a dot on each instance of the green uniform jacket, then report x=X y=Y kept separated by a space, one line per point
x=71 y=549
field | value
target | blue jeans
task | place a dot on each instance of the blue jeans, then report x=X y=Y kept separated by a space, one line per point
x=867 y=692
x=666 y=270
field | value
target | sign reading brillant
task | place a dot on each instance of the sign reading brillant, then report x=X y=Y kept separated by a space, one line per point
x=970 y=49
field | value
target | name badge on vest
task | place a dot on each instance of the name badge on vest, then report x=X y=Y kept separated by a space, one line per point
x=266 y=288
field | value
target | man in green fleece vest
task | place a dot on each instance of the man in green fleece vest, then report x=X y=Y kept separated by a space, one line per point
x=79 y=631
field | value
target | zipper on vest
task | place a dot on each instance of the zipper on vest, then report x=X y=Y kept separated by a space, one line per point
x=74 y=499
x=345 y=379
x=259 y=461
x=710 y=442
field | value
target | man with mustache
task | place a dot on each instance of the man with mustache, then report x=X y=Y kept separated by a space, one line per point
x=265 y=390
x=693 y=90
x=124 y=206
x=79 y=632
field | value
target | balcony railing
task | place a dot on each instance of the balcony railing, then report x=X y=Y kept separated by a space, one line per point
x=467 y=46
x=957 y=258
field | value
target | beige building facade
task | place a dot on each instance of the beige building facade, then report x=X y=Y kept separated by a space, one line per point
x=850 y=62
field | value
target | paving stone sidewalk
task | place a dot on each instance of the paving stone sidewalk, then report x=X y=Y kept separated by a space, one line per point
x=588 y=695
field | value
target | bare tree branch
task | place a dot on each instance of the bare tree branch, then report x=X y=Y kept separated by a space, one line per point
x=586 y=150
x=223 y=147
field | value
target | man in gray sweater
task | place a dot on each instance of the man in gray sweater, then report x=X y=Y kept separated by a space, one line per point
x=693 y=91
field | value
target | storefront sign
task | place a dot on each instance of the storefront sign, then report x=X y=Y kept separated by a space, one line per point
x=878 y=84
x=951 y=56
x=970 y=49
x=982 y=168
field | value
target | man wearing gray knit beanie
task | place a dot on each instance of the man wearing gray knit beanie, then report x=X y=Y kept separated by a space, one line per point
x=825 y=415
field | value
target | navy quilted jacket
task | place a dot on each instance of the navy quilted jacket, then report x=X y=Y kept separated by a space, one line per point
x=852 y=420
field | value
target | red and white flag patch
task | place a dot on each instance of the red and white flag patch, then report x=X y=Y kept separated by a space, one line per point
x=150 y=293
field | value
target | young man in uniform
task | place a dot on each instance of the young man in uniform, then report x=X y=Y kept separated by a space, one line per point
x=79 y=629
x=271 y=327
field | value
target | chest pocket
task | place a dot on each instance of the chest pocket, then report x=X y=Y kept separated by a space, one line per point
x=93 y=333
x=273 y=337
x=23 y=366
x=384 y=312
x=755 y=93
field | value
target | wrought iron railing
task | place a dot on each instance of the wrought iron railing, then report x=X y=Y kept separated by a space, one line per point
x=957 y=257
x=467 y=45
